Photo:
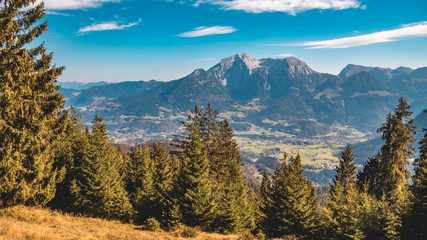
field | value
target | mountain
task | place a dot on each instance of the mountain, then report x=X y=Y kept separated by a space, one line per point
x=278 y=103
x=256 y=95
x=382 y=74
x=409 y=83
x=80 y=85
x=105 y=92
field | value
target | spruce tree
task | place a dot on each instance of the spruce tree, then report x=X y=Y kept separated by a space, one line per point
x=163 y=205
x=31 y=115
x=68 y=153
x=369 y=179
x=398 y=135
x=139 y=181
x=342 y=207
x=194 y=186
x=416 y=225
x=372 y=216
x=386 y=176
x=262 y=203
x=292 y=205
x=233 y=211
x=346 y=169
x=98 y=187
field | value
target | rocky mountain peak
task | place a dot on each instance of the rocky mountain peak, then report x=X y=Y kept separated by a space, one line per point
x=298 y=67
x=236 y=65
x=293 y=66
x=241 y=59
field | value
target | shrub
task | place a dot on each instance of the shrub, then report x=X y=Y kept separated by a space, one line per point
x=189 y=232
x=152 y=225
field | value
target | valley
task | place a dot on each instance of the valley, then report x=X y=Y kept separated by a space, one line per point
x=274 y=105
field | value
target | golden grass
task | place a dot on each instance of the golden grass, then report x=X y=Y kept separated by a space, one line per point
x=30 y=223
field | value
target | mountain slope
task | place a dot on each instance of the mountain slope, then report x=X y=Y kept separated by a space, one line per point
x=105 y=92
x=257 y=95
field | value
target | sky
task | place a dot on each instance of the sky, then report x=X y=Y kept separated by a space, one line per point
x=131 y=40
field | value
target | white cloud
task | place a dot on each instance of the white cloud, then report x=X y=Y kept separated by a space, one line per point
x=288 y=6
x=405 y=31
x=285 y=55
x=57 y=13
x=205 y=31
x=107 y=26
x=73 y=4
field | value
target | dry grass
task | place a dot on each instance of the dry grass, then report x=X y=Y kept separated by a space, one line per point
x=19 y=223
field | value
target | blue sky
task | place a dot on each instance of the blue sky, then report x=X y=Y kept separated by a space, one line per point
x=129 y=40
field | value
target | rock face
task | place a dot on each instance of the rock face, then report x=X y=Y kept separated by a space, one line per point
x=253 y=91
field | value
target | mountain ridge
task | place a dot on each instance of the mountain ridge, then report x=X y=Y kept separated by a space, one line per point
x=250 y=91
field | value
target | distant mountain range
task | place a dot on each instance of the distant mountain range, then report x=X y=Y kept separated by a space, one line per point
x=283 y=95
x=80 y=85
x=276 y=100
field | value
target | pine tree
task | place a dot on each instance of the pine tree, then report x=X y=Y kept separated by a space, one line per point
x=139 y=181
x=416 y=226
x=398 y=134
x=262 y=203
x=163 y=206
x=31 y=115
x=194 y=186
x=369 y=179
x=372 y=216
x=386 y=176
x=342 y=208
x=98 y=187
x=68 y=153
x=346 y=169
x=233 y=211
x=292 y=205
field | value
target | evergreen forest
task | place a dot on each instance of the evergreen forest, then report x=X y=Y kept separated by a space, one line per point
x=49 y=158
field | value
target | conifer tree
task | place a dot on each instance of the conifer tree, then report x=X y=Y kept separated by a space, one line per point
x=98 y=187
x=398 y=135
x=139 y=181
x=163 y=206
x=263 y=199
x=194 y=186
x=416 y=225
x=342 y=206
x=292 y=208
x=372 y=216
x=346 y=169
x=386 y=176
x=68 y=153
x=369 y=179
x=31 y=115
x=233 y=211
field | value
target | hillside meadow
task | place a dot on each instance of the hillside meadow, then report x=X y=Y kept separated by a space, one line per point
x=20 y=222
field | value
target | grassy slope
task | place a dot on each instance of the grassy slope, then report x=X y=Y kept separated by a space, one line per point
x=35 y=223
